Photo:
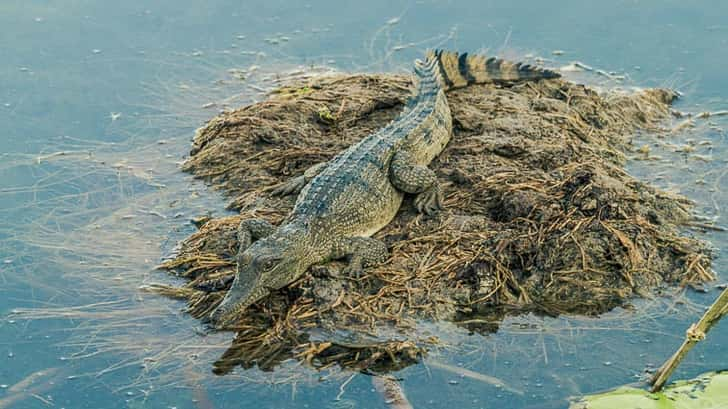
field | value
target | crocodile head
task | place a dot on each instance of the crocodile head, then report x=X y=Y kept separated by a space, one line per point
x=269 y=264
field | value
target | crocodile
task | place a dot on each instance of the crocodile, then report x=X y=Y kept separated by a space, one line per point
x=343 y=202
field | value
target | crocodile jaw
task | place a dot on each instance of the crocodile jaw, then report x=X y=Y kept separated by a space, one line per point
x=253 y=282
x=239 y=297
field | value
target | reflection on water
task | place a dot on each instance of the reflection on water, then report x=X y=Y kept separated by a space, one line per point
x=98 y=102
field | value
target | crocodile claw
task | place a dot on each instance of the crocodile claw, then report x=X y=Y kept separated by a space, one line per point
x=354 y=269
x=292 y=186
x=429 y=202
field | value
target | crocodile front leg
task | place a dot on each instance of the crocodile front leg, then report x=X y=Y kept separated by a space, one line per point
x=361 y=252
x=409 y=177
x=295 y=185
x=248 y=231
x=252 y=229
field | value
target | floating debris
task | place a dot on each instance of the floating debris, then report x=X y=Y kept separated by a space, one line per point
x=199 y=221
x=30 y=387
x=685 y=148
x=610 y=75
x=402 y=47
x=391 y=391
x=704 y=115
x=468 y=373
x=682 y=126
x=576 y=66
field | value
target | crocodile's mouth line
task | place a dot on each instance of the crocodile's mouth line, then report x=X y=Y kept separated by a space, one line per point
x=226 y=315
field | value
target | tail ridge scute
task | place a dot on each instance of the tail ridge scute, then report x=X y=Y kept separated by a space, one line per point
x=460 y=70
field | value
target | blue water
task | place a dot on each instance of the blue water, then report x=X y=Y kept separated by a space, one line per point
x=99 y=101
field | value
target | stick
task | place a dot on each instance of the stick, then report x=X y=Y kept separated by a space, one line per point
x=342 y=387
x=694 y=334
x=391 y=391
x=474 y=375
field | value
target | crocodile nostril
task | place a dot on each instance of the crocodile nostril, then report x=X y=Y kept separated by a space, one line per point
x=217 y=318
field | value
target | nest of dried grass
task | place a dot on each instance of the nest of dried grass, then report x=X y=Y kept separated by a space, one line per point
x=540 y=217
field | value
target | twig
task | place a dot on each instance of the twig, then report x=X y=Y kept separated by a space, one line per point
x=706 y=226
x=342 y=387
x=709 y=114
x=699 y=115
x=42 y=399
x=694 y=334
x=474 y=375
x=391 y=391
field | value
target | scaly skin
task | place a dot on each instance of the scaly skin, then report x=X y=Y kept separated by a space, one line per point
x=342 y=203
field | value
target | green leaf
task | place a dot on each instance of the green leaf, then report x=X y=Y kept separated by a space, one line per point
x=706 y=391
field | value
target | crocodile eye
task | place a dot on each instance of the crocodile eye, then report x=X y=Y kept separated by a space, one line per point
x=269 y=264
x=244 y=259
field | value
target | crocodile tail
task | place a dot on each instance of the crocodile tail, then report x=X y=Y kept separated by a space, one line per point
x=460 y=70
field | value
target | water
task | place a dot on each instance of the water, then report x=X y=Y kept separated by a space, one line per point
x=98 y=102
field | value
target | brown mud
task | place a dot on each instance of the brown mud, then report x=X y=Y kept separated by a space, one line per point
x=540 y=217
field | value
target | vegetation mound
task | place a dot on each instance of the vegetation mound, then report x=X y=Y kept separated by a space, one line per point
x=540 y=216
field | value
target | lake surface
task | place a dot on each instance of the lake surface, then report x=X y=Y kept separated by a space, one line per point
x=98 y=104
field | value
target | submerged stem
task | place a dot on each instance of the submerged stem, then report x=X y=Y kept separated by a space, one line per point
x=694 y=334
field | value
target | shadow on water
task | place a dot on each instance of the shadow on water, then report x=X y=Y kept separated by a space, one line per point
x=88 y=218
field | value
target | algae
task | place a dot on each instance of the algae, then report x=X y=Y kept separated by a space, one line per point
x=540 y=217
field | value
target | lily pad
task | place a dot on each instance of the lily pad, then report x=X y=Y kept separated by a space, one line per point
x=709 y=390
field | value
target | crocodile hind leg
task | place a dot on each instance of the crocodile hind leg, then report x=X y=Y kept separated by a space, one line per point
x=361 y=252
x=409 y=177
x=295 y=185
x=248 y=231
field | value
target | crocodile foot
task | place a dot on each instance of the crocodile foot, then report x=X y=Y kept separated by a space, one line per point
x=295 y=185
x=361 y=252
x=289 y=187
x=354 y=269
x=430 y=201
